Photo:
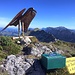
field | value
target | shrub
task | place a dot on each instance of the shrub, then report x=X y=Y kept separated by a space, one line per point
x=5 y=41
x=2 y=55
x=12 y=49
x=1 y=48
x=8 y=46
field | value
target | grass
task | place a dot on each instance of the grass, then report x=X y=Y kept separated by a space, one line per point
x=63 y=71
x=7 y=47
x=68 y=48
x=4 y=73
x=34 y=40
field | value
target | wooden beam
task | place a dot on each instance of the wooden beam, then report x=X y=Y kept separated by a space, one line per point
x=19 y=28
x=22 y=28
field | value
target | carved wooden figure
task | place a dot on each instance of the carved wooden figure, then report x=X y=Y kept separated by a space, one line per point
x=23 y=20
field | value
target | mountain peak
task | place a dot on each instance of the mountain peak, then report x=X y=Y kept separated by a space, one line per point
x=61 y=28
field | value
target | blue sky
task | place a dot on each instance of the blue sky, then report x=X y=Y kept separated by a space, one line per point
x=50 y=13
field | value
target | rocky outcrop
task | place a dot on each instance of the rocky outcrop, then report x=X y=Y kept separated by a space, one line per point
x=38 y=49
x=19 y=65
x=16 y=65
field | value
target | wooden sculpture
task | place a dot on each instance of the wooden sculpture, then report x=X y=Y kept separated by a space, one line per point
x=23 y=20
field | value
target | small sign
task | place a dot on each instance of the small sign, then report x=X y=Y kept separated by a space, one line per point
x=70 y=64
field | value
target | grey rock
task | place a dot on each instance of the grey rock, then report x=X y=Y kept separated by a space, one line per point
x=25 y=40
x=2 y=68
x=30 y=61
x=37 y=52
x=39 y=49
x=17 y=65
x=20 y=71
x=26 y=66
x=18 y=42
x=60 y=51
x=11 y=57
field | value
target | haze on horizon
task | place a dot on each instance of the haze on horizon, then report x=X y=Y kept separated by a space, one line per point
x=50 y=13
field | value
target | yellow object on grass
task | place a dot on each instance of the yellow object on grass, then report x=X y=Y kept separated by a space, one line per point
x=70 y=64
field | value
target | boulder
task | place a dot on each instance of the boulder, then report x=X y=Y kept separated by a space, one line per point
x=16 y=65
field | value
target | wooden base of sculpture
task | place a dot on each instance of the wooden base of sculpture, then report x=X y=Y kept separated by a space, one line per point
x=20 y=30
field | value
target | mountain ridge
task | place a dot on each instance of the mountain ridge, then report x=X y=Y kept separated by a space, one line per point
x=60 y=33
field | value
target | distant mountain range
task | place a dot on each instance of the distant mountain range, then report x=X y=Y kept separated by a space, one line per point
x=9 y=32
x=45 y=34
x=42 y=36
x=61 y=33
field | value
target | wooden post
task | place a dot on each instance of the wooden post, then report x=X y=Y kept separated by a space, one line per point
x=19 y=28
x=22 y=27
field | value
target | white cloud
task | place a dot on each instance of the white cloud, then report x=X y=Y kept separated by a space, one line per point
x=4 y=21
